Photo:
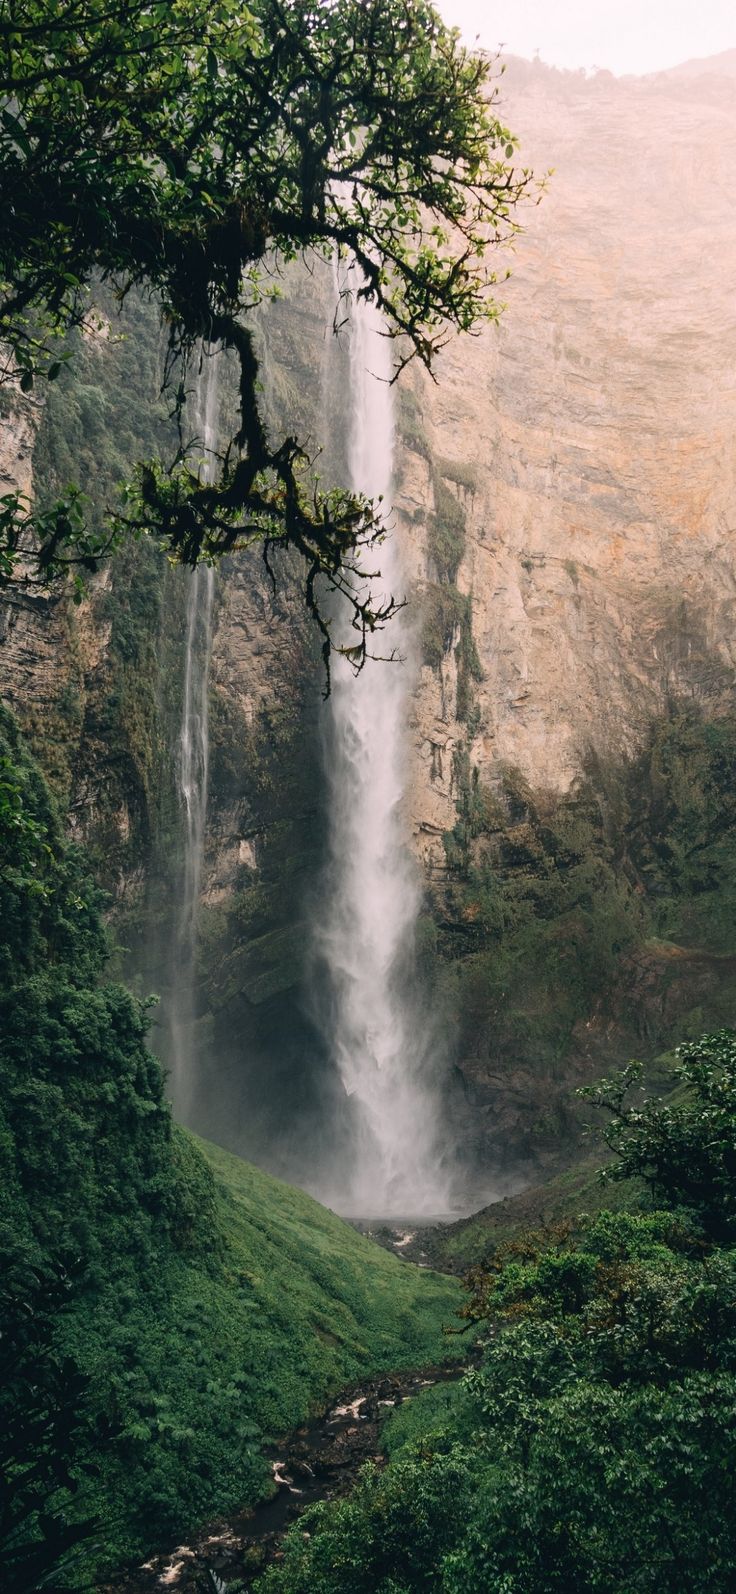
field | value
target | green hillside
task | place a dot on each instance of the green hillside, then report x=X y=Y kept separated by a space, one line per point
x=164 y=1307
x=589 y=1450
x=274 y=1305
x=313 y=1279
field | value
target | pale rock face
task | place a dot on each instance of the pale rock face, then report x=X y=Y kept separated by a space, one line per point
x=599 y=421
x=18 y=423
x=19 y=417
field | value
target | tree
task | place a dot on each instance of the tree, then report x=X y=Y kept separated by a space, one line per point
x=685 y=1149
x=41 y=1417
x=194 y=148
x=591 y=1452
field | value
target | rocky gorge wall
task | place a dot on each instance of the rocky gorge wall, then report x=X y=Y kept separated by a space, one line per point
x=565 y=499
x=577 y=565
x=589 y=439
x=98 y=689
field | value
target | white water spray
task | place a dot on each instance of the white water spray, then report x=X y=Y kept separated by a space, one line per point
x=380 y=1044
x=193 y=756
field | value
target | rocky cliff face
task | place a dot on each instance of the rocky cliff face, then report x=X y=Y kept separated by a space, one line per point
x=565 y=498
x=590 y=439
x=581 y=456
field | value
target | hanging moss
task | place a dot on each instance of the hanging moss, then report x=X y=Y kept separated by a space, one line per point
x=443 y=608
x=602 y=919
x=445 y=531
x=681 y=835
x=469 y=670
x=103 y=414
x=410 y=425
x=460 y=471
x=105 y=411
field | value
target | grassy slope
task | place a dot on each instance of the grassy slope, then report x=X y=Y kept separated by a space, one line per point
x=340 y=1305
x=578 y=1190
x=227 y=1346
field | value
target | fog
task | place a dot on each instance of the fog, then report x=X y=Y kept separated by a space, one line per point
x=620 y=35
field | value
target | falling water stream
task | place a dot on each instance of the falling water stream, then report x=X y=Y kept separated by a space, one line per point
x=378 y=1037
x=193 y=759
x=379 y=1042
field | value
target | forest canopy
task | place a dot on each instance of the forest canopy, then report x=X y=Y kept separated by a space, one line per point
x=193 y=149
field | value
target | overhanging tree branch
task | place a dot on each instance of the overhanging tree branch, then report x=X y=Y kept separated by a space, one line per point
x=186 y=148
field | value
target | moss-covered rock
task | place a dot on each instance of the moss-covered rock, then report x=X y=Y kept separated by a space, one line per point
x=574 y=931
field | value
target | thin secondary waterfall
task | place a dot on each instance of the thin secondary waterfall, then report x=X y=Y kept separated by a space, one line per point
x=369 y=909
x=194 y=740
x=193 y=756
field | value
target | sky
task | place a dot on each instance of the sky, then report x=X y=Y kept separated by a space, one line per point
x=622 y=35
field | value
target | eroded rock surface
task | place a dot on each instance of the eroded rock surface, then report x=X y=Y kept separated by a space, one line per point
x=596 y=430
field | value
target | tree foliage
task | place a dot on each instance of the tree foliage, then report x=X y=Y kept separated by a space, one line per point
x=157 y=1323
x=590 y=1454
x=194 y=149
x=684 y=1149
x=42 y=1421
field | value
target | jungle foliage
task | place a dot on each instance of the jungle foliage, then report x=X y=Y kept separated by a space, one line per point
x=163 y=1308
x=193 y=149
x=589 y=1453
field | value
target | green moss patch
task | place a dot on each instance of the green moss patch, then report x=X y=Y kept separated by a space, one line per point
x=574 y=931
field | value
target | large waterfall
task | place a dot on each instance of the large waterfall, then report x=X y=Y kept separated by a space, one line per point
x=193 y=758
x=368 y=912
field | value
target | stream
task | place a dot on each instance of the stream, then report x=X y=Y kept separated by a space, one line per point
x=319 y=1461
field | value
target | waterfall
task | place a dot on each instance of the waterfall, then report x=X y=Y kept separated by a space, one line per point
x=194 y=741
x=193 y=758
x=369 y=906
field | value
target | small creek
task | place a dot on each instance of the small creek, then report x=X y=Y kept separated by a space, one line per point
x=319 y=1461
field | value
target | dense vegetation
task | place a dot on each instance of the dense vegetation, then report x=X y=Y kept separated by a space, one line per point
x=574 y=931
x=592 y=1449
x=164 y=1307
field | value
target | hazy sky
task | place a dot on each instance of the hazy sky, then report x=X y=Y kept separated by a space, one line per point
x=623 y=35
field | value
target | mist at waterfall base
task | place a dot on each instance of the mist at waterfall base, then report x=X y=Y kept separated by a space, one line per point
x=343 y=1085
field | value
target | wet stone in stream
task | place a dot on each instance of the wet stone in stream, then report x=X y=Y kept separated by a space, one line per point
x=320 y=1461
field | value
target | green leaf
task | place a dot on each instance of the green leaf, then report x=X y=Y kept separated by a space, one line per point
x=16 y=130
